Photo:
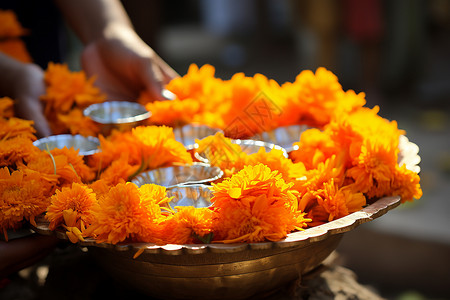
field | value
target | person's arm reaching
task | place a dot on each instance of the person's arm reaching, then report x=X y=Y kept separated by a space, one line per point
x=123 y=63
x=24 y=82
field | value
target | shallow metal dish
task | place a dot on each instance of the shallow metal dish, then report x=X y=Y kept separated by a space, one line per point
x=247 y=146
x=197 y=195
x=121 y=115
x=187 y=134
x=174 y=176
x=284 y=136
x=86 y=145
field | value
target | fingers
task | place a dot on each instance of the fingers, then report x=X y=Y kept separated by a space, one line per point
x=157 y=75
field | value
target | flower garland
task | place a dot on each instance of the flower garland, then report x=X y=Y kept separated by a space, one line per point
x=348 y=160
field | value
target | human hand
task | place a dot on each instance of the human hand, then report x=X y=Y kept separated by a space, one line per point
x=24 y=82
x=23 y=252
x=125 y=65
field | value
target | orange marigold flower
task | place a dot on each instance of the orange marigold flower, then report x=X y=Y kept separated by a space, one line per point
x=331 y=169
x=172 y=113
x=6 y=107
x=119 y=170
x=406 y=184
x=373 y=169
x=124 y=214
x=158 y=147
x=9 y=25
x=16 y=49
x=15 y=150
x=66 y=88
x=21 y=198
x=78 y=200
x=332 y=202
x=76 y=123
x=315 y=147
x=189 y=225
x=13 y=127
x=75 y=164
x=255 y=205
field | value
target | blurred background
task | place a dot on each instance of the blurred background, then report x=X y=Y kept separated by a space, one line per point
x=397 y=52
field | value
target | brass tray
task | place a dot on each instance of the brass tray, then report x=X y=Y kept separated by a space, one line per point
x=232 y=271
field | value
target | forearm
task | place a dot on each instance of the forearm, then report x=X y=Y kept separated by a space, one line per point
x=10 y=70
x=95 y=19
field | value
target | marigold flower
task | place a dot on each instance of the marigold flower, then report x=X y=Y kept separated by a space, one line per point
x=6 y=107
x=255 y=205
x=15 y=150
x=78 y=200
x=13 y=127
x=21 y=198
x=65 y=89
x=406 y=184
x=332 y=202
x=124 y=214
x=189 y=225
x=10 y=26
x=76 y=123
x=16 y=49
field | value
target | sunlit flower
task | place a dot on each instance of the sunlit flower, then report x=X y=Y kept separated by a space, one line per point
x=331 y=202
x=123 y=214
x=255 y=205
x=78 y=201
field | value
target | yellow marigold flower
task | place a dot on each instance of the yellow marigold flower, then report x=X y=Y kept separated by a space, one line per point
x=255 y=205
x=78 y=198
x=21 y=198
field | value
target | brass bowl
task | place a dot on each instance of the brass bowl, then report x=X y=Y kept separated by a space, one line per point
x=231 y=271
x=187 y=134
x=86 y=145
x=120 y=115
x=170 y=177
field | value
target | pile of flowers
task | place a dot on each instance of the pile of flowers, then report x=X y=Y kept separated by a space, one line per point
x=347 y=160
